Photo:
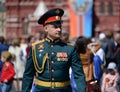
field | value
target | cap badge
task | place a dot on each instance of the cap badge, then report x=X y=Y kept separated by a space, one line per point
x=57 y=11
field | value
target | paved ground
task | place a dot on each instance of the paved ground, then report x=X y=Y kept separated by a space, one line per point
x=13 y=89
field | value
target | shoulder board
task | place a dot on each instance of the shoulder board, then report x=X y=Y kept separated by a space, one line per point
x=35 y=43
x=71 y=44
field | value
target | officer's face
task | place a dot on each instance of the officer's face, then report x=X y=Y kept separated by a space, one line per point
x=53 y=31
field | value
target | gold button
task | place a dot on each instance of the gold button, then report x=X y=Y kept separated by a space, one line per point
x=52 y=62
x=53 y=79
x=52 y=70
x=52 y=53
x=53 y=85
x=51 y=45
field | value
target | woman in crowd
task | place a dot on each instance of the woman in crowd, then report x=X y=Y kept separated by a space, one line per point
x=83 y=46
x=19 y=64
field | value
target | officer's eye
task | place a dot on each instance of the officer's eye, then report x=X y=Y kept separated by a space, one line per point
x=57 y=26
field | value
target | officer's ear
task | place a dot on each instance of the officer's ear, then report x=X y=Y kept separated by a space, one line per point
x=45 y=28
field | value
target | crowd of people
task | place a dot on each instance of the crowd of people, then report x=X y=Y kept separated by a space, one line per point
x=106 y=46
x=101 y=61
x=99 y=57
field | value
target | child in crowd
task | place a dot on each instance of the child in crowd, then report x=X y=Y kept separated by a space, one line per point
x=8 y=72
x=110 y=79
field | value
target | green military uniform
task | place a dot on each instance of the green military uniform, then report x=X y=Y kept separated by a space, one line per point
x=52 y=62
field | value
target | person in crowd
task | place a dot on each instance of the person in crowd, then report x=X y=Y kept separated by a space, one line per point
x=8 y=72
x=51 y=59
x=65 y=36
x=30 y=40
x=23 y=46
x=86 y=57
x=102 y=41
x=3 y=47
x=42 y=35
x=110 y=79
x=110 y=49
x=18 y=62
x=37 y=36
x=112 y=42
x=98 y=59
x=117 y=54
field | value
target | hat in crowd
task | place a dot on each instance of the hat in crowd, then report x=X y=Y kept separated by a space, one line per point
x=51 y=16
x=6 y=54
x=111 y=65
x=101 y=36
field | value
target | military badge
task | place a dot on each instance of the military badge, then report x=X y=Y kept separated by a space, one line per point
x=57 y=11
x=59 y=54
x=41 y=47
x=58 y=59
x=62 y=56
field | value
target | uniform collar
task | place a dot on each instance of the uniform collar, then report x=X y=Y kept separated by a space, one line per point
x=54 y=41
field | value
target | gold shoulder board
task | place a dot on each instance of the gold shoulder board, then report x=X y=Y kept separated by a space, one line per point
x=35 y=43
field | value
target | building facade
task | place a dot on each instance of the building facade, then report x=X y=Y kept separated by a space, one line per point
x=2 y=18
x=106 y=16
x=21 y=21
x=20 y=16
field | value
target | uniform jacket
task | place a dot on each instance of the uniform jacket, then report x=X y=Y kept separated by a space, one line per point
x=51 y=61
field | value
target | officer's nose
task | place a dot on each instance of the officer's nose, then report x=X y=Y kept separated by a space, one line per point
x=58 y=29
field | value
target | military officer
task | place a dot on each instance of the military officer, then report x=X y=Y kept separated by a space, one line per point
x=50 y=59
